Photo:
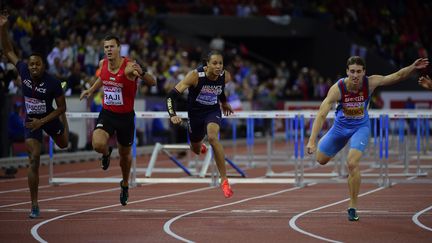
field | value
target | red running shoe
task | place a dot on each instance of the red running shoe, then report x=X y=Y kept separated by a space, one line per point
x=203 y=148
x=226 y=188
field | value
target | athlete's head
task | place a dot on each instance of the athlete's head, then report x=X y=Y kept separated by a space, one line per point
x=112 y=47
x=356 y=70
x=214 y=63
x=36 y=65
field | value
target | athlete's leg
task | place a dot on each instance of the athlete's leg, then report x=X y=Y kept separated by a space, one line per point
x=219 y=155
x=33 y=149
x=358 y=144
x=354 y=178
x=125 y=162
x=100 y=141
x=59 y=131
x=331 y=143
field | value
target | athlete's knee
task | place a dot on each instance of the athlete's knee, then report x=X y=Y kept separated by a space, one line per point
x=63 y=143
x=212 y=139
x=196 y=148
x=353 y=166
x=98 y=146
x=34 y=163
x=321 y=159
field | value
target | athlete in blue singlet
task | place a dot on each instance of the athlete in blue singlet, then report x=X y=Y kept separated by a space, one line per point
x=206 y=89
x=352 y=122
x=39 y=90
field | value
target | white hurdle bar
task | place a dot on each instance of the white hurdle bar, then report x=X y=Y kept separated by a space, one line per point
x=161 y=147
x=400 y=114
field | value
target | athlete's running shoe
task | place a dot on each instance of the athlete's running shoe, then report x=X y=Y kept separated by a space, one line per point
x=106 y=159
x=34 y=212
x=203 y=148
x=226 y=188
x=124 y=194
x=352 y=214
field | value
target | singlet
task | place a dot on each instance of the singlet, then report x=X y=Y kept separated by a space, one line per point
x=38 y=97
x=352 y=107
x=119 y=91
x=204 y=97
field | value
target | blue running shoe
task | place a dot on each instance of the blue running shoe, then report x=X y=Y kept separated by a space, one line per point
x=106 y=159
x=124 y=194
x=34 y=212
x=352 y=214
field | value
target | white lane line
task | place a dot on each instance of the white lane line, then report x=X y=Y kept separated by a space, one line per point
x=62 y=197
x=34 y=230
x=167 y=225
x=56 y=174
x=416 y=220
x=292 y=222
x=22 y=189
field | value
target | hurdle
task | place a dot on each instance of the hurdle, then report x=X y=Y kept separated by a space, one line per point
x=301 y=177
x=165 y=148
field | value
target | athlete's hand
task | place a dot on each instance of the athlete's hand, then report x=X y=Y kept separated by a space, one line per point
x=425 y=82
x=226 y=108
x=137 y=69
x=176 y=120
x=421 y=63
x=3 y=17
x=311 y=147
x=86 y=93
x=34 y=124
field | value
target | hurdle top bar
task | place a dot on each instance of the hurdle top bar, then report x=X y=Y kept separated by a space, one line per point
x=393 y=113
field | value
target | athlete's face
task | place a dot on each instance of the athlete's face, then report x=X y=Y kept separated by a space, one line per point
x=355 y=74
x=215 y=65
x=36 y=66
x=111 y=49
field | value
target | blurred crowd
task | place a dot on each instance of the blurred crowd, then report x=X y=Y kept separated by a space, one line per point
x=69 y=34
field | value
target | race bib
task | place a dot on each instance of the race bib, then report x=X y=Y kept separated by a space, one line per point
x=113 y=95
x=35 y=106
x=353 y=110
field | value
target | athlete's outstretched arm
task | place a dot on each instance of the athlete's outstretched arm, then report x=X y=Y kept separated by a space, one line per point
x=5 y=40
x=191 y=79
x=404 y=73
x=332 y=97
x=425 y=82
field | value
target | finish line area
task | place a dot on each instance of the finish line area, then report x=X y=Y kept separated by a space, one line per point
x=394 y=152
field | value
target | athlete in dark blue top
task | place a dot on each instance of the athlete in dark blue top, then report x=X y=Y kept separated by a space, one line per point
x=206 y=97
x=39 y=90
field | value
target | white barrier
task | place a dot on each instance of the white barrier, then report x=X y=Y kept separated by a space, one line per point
x=396 y=114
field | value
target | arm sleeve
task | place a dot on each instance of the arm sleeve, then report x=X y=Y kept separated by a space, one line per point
x=170 y=101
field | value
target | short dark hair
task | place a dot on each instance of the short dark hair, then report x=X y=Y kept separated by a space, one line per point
x=209 y=55
x=112 y=37
x=38 y=54
x=356 y=60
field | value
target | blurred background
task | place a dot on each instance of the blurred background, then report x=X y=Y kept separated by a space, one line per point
x=282 y=54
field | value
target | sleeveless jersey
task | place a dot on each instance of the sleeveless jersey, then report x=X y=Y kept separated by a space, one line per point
x=352 y=108
x=119 y=91
x=204 y=97
x=38 y=97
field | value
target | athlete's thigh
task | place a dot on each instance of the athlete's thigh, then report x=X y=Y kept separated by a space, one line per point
x=196 y=129
x=55 y=129
x=360 y=138
x=125 y=129
x=334 y=140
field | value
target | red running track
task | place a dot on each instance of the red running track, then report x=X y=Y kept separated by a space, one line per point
x=199 y=213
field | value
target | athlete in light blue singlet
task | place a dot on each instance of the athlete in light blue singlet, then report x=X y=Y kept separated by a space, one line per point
x=352 y=121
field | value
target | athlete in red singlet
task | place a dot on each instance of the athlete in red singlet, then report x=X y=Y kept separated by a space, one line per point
x=118 y=78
